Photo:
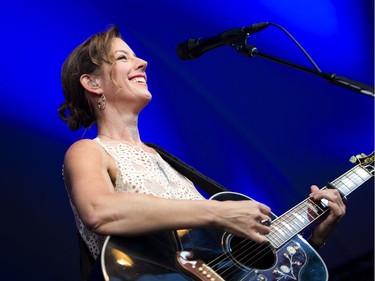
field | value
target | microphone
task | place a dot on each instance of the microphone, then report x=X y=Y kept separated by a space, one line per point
x=193 y=48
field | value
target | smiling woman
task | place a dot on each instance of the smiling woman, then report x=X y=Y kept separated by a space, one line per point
x=256 y=127
x=120 y=186
x=83 y=85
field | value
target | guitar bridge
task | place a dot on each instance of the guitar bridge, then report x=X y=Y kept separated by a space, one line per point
x=196 y=268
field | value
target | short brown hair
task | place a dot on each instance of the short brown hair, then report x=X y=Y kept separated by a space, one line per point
x=87 y=58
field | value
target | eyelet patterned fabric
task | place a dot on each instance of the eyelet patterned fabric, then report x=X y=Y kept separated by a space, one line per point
x=139 y=171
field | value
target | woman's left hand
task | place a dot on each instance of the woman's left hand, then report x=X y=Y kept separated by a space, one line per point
x=337 y=210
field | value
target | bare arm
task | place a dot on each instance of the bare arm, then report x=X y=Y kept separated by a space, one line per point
x=87 y=175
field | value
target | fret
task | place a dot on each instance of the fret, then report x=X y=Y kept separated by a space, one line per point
x=351 y=180
x=294 y=221
x=278 y=234
x=279 y=230
x=313 y=207
x=308 y=209
x=296 y=227
x=301 y=213
x=349 y=183
x=298 y=218
x=344 y=188
x=288 y=225
x=288 y=219
x=362 y=173
x=357 y=179
x=290 y=229
x=275 y=237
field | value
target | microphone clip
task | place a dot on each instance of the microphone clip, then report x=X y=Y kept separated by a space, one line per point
x=245 y=49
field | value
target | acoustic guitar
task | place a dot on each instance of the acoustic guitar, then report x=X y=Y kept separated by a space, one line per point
x=212 y=254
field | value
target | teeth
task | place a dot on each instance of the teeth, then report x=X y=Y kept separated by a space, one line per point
x=139 y=80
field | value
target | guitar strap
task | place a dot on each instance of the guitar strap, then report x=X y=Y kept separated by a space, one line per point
x=208 y=185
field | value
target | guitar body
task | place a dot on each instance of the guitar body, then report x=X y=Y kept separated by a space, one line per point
x=168 y=255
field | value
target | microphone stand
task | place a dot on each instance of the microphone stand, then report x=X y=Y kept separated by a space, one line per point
x=252 y=51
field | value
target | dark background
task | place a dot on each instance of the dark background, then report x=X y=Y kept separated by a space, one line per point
x=257 y=127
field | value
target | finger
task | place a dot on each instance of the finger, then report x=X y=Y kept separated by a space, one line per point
x=337 y=209
x=315 y=191
x=314 y=188
x=264 y=209
x=263 y=228
x=258 y=238
x=329 y=194
x=334 y=196
x=266 y=221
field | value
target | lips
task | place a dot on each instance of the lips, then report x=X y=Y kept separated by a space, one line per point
x=138 y=79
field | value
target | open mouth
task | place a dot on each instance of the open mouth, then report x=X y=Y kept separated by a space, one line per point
x=138 y=79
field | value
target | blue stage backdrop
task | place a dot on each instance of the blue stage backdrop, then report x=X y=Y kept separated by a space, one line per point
x=256 y=126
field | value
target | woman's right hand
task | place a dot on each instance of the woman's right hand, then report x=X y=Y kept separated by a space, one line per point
x=244 y=219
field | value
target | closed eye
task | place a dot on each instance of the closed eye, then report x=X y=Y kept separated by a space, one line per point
x=122 y=58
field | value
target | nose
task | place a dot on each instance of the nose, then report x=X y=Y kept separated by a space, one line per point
x=141 y=64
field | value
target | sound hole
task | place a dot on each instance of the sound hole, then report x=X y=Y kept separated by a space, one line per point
x=247 y=253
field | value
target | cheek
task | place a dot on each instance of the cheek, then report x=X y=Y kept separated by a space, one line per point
x=119 y=75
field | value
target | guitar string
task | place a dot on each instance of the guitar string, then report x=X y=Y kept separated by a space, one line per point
x=309 y=202
x=295 y=226
x=235 y=265
x=256 y=254
x=259 y=256
x=225 y=256
x=308 y=214
x=323 y=211
x=298 y=225
x=245 y=255
x=318 y=211
x=244 y=241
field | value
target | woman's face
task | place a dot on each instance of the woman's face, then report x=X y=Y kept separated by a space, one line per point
x=126 y=78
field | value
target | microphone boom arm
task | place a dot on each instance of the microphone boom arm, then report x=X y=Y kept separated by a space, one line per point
x=252 y=51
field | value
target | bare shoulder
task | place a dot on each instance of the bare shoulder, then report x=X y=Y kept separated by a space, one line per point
x=82 y=147
x=83 y=144
x=85 y=150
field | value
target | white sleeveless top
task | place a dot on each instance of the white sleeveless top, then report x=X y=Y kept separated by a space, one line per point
x=139 y=171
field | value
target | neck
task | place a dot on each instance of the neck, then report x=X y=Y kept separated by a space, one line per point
x=131 y=140
x=119 y=128
x=127 y=135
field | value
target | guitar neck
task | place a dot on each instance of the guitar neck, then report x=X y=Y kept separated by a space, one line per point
x=295 y=220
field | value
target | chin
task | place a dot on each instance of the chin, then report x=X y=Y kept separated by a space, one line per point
x=149 y=96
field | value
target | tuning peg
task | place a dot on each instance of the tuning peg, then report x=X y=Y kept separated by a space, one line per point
x=353 y=159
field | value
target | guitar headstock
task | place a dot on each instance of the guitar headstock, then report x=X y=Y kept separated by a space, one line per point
x=366 y=162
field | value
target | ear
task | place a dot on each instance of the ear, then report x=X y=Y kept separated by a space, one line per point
x=90 y=83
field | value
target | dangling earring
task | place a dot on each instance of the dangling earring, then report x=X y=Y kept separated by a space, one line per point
x=102 y=102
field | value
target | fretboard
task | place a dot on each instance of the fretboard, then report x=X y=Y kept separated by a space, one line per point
x=295 y=220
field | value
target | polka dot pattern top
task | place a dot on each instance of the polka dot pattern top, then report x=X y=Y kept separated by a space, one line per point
x=139 y=171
